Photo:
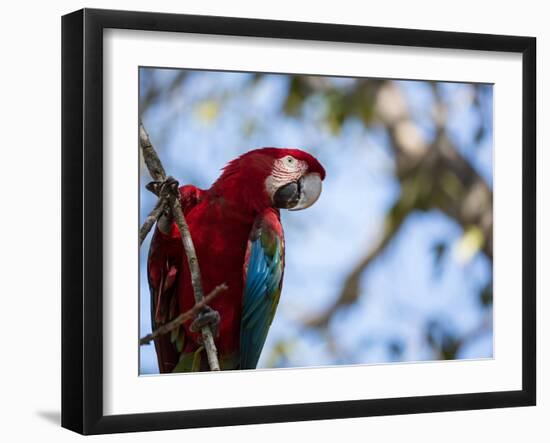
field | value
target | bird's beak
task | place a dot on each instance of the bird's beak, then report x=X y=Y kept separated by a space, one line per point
x=300 y=194
x=311 y=186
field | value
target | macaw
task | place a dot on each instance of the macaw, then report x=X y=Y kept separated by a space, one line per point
x=236 y=229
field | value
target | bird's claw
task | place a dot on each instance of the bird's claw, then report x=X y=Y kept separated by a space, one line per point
x=168 y=189
x=208 y=317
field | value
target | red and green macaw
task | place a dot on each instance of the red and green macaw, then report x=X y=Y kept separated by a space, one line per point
x=236 y=228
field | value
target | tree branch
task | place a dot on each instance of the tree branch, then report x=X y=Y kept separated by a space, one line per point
x=351 y=288
x=158 y=173
x=422 y=170
x=182 y=318
x=151 y=219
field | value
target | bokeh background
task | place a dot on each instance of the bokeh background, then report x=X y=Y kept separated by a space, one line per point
x=394 y=262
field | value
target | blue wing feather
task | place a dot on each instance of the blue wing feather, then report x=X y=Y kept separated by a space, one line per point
x=261 y=292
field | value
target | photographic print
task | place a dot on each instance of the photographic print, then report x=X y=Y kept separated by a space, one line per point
x=333 y=221
x=315 y=205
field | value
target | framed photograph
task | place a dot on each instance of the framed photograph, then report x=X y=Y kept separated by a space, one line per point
x=268 y=221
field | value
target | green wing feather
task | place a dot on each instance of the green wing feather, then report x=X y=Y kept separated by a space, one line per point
x=263 y=280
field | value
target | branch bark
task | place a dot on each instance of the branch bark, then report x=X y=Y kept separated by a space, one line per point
x=182 y=318
x=151 y=219
x=157 y=172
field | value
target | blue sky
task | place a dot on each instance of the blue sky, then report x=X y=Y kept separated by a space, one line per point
x=213 y=117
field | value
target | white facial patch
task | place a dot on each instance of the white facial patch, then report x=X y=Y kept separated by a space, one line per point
x=285 y=170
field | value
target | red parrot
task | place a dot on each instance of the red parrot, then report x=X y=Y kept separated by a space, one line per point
x=236 y=228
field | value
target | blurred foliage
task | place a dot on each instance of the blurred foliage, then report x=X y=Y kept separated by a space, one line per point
x=341 y=103
x=431 y=168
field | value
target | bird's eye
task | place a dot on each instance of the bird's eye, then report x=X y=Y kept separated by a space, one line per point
x=290 y=160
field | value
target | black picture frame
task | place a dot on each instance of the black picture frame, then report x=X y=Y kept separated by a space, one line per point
x=82 y=218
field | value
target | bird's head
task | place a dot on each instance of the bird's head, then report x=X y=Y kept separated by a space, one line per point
x=282 y=178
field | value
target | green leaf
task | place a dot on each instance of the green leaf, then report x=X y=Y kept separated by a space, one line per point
x=469 y=244
x=197 y=360
x=185 y=363
x=486 y=295
x=174 y=334
x=180 y=340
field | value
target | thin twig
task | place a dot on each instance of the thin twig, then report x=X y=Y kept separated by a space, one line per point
x=156 y=170
x=158 y=173
x=182 y=318
x=151 y=219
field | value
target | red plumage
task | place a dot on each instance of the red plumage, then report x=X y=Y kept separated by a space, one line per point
x=220 y=220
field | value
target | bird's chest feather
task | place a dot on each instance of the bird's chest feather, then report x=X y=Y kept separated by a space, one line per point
x=220 y=235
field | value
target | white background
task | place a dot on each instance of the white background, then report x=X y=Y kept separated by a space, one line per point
x=30 y=326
